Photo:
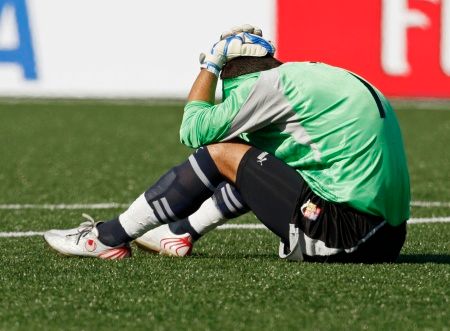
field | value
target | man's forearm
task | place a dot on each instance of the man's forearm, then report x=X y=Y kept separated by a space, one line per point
x=204 y=87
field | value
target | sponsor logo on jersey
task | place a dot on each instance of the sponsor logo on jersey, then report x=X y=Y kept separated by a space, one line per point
x=310 y=210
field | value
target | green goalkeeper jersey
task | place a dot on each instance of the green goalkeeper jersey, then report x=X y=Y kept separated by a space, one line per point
x=336 y=130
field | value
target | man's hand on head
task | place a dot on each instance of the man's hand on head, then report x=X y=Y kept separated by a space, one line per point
x=245 y=40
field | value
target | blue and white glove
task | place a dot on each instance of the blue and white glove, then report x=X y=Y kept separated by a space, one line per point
x=235 y=45
x=251 y=35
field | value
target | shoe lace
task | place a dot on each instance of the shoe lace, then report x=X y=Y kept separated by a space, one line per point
x=84 y=228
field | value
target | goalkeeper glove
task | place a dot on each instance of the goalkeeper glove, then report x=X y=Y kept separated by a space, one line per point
x=232 y=46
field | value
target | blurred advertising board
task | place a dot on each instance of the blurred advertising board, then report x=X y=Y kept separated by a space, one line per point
x=141 y=48
x=113 y=48
x=401 y=46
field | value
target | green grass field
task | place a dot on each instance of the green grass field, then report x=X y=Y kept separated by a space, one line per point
x=67 y=152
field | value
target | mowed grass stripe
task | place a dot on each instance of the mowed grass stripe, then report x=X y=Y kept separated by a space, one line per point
x=95 y=152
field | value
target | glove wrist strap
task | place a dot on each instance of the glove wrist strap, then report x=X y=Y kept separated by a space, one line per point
x=211 y=67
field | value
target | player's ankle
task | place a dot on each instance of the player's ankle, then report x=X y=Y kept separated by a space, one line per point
x=112 y=233
x=182 y=227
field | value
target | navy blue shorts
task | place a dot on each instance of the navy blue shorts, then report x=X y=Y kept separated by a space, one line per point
x=330 y=232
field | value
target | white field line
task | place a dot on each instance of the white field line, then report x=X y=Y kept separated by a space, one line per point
x=113 y=205
x=20 y=234
x=231 y=227
x=430 y=204
x=444 y=219
x=63 y=206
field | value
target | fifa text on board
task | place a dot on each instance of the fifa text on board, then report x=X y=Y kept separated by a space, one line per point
x=401 y=46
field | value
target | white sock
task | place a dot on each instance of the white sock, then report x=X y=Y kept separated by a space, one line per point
x=138 y=218
x=207 y=217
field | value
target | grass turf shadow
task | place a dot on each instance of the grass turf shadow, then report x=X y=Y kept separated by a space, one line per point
x=424 y=258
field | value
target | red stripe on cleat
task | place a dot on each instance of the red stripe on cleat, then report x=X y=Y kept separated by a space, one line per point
x=174 y=245
x=115 y=253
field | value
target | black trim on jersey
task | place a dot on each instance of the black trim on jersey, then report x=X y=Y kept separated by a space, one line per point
x=374 y=95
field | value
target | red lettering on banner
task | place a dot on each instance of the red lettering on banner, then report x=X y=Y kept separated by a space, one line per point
x=401 y=46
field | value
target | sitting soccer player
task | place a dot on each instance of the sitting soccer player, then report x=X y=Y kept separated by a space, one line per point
x=313 y=150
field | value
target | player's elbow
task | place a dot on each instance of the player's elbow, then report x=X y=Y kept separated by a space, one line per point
x=188 y=137
x=191 y=133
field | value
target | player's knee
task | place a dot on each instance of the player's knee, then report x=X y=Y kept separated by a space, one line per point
x=227 y=157
x=228 y=152
x=216 y=151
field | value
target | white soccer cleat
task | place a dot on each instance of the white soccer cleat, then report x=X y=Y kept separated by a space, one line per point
x=163 y=241
x=83 y=241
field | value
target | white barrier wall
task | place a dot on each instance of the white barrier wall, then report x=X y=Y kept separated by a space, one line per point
x=114 y=48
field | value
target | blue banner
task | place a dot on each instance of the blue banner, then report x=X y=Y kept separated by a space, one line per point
x=23 y=55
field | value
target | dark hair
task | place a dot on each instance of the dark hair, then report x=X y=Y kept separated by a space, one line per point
x=247 y=64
